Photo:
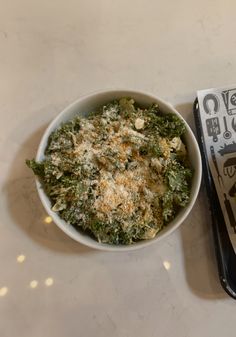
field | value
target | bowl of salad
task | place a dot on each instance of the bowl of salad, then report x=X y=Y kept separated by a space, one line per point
x=118 y=170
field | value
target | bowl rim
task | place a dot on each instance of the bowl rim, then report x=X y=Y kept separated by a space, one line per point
x=141 y=244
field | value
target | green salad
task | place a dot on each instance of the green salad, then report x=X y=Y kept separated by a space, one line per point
x=120 y=175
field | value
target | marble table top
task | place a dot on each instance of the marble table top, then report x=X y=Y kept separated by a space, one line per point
x=50 y=54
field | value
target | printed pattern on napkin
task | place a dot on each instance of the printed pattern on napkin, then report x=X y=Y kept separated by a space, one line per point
x=218 y=117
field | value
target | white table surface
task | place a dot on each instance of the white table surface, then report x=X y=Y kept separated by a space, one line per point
x=51 y=52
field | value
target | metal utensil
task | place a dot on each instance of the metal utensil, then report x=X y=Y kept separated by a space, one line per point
x=227 y=134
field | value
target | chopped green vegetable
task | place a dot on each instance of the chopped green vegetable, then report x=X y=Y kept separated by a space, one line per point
x=120 y=175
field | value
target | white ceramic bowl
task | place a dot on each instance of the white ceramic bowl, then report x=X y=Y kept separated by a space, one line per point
x=85 y=105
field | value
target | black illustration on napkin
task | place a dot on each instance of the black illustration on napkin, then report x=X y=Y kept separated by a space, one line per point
x=233 y=124
x=213 y=157
x=213 y=128
x=227 y=149
x=229 y=98
x=230 y=167
x=230 y=212
x=232 y=191
x=206 y=105
x=226 y=134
